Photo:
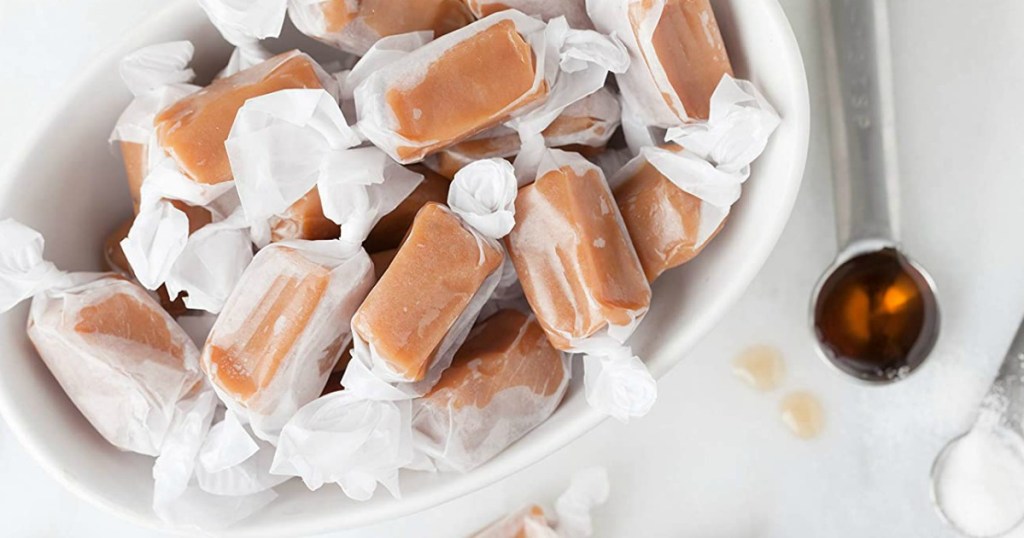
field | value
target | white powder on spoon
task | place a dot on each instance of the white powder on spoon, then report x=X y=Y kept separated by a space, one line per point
x=979 y=485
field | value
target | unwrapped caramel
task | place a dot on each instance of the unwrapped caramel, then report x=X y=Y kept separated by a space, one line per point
x=576 y=263
x=435 y=275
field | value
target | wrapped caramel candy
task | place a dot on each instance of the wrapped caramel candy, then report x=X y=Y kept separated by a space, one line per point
x=527 y=522
x=193 y=130
x=503 y=382
x=668 y=225
x=573 y=255
x=585 y=125
x=582 y=278
x=354 y=26
x=158 y=76
x=676 y=51
x=573 y=508
x=574 y=11
x=405 y=335
x=675 y=198
x=445 y=265
x=122 y=360
x=284 y=328
x=409 y=107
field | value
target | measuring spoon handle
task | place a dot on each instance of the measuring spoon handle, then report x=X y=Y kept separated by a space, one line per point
x=859 y=63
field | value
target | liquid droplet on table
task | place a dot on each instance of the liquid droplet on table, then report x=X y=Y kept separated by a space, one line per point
x=760 y=366
x=802 y=414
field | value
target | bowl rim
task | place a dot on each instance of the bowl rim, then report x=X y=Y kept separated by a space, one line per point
x=799 y=116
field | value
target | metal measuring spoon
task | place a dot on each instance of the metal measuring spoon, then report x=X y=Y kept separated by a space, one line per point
x=1000 y=416
x=883 y=301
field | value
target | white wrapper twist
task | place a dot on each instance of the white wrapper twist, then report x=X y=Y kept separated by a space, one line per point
x=243 y=23
x=157 y=75
x=484 y=195
x=737 y=131
x=279 y=148
x=23 y=271
x=284 y=144
x=618 y=383
x=587 y=490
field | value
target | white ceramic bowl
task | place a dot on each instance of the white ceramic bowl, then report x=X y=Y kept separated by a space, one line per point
x=71 y=188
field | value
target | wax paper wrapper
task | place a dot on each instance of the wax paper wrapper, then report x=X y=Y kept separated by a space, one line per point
x=399 y=112
x=118 y=355
x=676 y=51
x=587 y=490
x=283 y=329
x=574 y=11
x=213 y=478
x=157 y=75
x=569 y=241
x=504 y=381
x=362 y=435
x=590 y=122
x=122 y=360
x=673 y=210
x=243 y=23
x=160 y=249
x=355 y=26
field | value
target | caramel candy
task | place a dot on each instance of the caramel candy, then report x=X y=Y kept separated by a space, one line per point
x=455 y=87
x=284 y=328
x=438 y=270
x=575 y=260
x=585 y=125
x=393 y=17
x=522 y=523
x=574 y=11
x=504 y=381
x=687 y=48
x=304 y=220
x=120 y=358
x=391 y=228
x=338 y=372
x=194 y=129
x=507 y=350
x=382 y=260
x=663 y=220
x=134 y=157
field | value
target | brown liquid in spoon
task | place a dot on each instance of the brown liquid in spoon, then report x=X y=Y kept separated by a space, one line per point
x=871 y=315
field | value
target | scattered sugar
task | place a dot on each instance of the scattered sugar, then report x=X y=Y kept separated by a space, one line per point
x=979 y=483
x=599 y=242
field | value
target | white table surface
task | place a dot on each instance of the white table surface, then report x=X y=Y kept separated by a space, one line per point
x=713 y=459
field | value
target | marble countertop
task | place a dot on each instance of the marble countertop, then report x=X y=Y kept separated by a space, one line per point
x=713 y=458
